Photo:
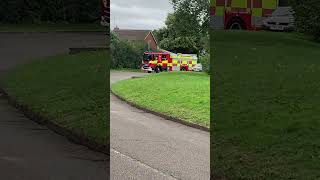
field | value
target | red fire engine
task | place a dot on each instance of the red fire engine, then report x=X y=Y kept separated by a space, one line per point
x=166 y=61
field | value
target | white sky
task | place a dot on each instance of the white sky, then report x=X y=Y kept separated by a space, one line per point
x=139 y=14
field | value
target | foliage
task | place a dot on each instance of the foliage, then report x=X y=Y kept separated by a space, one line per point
x=36 y=11
x=126 y=54
x=204 y=58
x=307 y=16
x=73 y=97
x=205 y=61
x=185 y=27
x=180 y=44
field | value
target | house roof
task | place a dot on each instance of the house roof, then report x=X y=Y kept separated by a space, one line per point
x=152 y=37
x=133 y=35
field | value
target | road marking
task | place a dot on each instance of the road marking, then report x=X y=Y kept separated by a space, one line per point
x=143 y=164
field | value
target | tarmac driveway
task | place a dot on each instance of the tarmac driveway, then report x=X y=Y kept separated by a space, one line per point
x=145 y=146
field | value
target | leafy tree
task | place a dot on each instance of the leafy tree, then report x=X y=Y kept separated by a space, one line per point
x=307 y=16
x=186 y=27
x=125 y=54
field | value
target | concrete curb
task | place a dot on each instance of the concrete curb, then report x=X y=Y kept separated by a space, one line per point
x=41 y=119
x=174 y=119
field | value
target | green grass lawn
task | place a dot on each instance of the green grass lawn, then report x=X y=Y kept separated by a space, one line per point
x=50 y=27
x=183 y=95
x=126 y=70
x=266 y=109
x=71 y=90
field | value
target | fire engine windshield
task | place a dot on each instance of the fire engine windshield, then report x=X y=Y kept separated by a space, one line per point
x=147 y=57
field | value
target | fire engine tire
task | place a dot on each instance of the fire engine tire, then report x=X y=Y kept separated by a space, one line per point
x=236 y=24
x=156 y=69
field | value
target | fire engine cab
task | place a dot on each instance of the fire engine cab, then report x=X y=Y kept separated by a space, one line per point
x=166 y=61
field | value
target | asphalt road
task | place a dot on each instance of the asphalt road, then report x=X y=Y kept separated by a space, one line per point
x=29 y=151
x=144 y=146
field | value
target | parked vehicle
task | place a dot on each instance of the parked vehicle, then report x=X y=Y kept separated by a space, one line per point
x=197 y=68
x=166 y=61
x=282 y=19
x=242 y=14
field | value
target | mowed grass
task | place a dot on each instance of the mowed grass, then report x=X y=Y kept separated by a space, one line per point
x=70 y=90
x=58 y=27
x=183 y=95
x=266 y=106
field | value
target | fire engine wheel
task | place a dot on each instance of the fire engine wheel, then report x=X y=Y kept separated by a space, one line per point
x=157 y=69
x=236 y=24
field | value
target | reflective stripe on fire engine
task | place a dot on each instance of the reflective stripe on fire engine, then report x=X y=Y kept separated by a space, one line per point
x=153 y=62
x=239 y=3
x=228 y=9
x=257 y=12
x=169 y=64
x=269 y=4
x=165 y=62
x=219 y=11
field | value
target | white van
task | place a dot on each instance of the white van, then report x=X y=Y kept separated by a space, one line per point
x=282 y=19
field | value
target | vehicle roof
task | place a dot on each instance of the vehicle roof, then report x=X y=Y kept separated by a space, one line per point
x=156 y=53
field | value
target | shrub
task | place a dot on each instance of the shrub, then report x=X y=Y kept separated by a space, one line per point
x=126 y=54
x=307 y=16
x=205 y=61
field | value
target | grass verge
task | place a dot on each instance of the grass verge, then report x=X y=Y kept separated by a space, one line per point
x=266 y=106
x=70 y=90
x=126 y=70
x=181 y=95
x=51 y=27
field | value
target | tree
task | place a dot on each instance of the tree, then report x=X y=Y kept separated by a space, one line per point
x=186 y=27
x=307 y=16
x=125 y=54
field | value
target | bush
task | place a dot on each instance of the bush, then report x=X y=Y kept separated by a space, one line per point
x=126 y=54
x=205 y=61
x=307 y=16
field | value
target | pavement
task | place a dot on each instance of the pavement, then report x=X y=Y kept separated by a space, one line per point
x=145 y=146
x=29 y=151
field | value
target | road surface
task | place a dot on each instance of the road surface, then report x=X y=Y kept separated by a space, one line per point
x=29 y=151
x=145 y=146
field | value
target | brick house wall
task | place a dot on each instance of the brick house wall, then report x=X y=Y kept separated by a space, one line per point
x=151 y=41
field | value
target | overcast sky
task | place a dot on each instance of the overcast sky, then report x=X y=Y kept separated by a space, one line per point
x=139 y=14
